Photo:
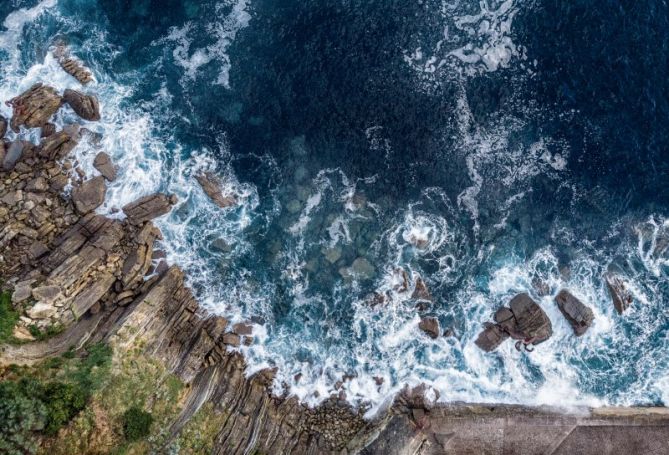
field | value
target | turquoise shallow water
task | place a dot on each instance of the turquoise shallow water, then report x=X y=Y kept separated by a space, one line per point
x=475 y=145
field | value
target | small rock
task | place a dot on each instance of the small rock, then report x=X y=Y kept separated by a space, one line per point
x=48 y=129
x=242 y=328
x=21 y=293
x=231 y=339
x=430 y=326
x=22 y=333
x=620 y=295
x=85 y=106
x=211 y=185
x=420 y=291
x=46 y=294
x=13 y=154
x=149 y=207
x=333 y=254
x=104 y=165
x=363 y=269
x=89 y=195
x=579 y=315
x=37 y=185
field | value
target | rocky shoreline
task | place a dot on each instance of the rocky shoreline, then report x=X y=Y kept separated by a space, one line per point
x=86 y=278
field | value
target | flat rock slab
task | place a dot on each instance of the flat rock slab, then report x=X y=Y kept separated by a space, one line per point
x=579 y=315
x=149 y=207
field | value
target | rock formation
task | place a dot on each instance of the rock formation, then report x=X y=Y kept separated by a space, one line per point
x=524 y=321
x=211 y=185
x=620 y=295
x=85 y=106
x=430 y=326
x=104 y=165
x=35 y=107
x=579 y=316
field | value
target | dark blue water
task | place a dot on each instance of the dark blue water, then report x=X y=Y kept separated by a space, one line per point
x=476 y=145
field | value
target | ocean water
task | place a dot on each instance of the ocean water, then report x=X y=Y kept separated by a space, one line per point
x=477 y=145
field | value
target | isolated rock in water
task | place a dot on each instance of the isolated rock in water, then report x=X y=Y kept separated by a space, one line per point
x=579 y=315
x=3 y=126
x=35 y=107
x=541 y=286
x=75 y=69
x=430 y=326
x=362 y=268
x=620 y=295
x=85 y=106
x=149 y=207
x=48 y=129
x=420 y=291
x=89 y=195
x=58 y=145
x=532 y=323
x=211 y=185
x=104 y=165
x=13 y=154
x=491 y=337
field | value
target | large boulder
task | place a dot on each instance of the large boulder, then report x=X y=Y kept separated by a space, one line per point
x=34 y=107
x=211 y=185
x=105 y=166
x=523 y=320
x=491 y=337
x=579 y=315
x=58 y=145
x=531 y=321
x=89 y=195
x=620 y=295
x=85 y=106
x=149 y=207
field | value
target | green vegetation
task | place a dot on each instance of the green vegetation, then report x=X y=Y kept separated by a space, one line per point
x=41 y=335
x=41 y=400
x=8 y=317
x=136 y=423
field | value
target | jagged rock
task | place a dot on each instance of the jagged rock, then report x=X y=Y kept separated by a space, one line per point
x=34 y=107
x=531 y=321
x=620 y=295
x=89 y=195
x=430 y=326
x=104 y=165
x=3 y=126
x=85 y=106
x=21 y=292
x=421 y=291
x=231 y=339
x=491 y=337
x=579 y=315
x=149 y=207
x=14 y=154
x=57 y=146
x=242 y=328
x=75 y=69
x=48 y=129
x=211 y=185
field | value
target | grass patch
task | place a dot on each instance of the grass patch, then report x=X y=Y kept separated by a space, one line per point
x=8 y=317
x=41 y=335
x=39 y=401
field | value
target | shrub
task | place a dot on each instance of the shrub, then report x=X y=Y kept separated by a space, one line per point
x=8 y=317
x=136 y=423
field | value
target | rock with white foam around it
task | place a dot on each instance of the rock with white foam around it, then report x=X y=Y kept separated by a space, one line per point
x=85 y=106
x=211 y=185
x=579 y=315
x=620 y=295
x=430 y=326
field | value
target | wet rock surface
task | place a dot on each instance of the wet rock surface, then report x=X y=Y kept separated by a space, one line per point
x=89 y=195
x=85 y=106
x=578 y=314
x=620 y=294
x=211 y=185
x=430 y=326
x=35 y=107
x=105 y=166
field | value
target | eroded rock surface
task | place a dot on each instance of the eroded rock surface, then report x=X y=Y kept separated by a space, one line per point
x=620 y=294
x=34 y=107
x=578 y=314
x=211 y=185
x=85 y=106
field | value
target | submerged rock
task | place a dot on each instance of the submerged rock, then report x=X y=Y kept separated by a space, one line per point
x=105 y=166
x=579 y=315
x=89 y=195
x=430 y=326
x=211 y=185
x=85 y=106
x=34 y=107
x=620 y=295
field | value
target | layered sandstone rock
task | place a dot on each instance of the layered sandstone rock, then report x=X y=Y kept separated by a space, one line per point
x=35 y=107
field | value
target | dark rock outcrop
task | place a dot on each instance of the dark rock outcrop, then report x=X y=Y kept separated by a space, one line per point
x=89 y=195
x=620 y=295
x=524 y=321
x=85 y=106
x=149 y=207
x=211 y=185
x=34 y=107
x=430 y=326
x=104 y=165
x=578 y=314
x=3 y=126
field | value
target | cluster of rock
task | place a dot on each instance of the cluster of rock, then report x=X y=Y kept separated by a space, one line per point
x=526 y=322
